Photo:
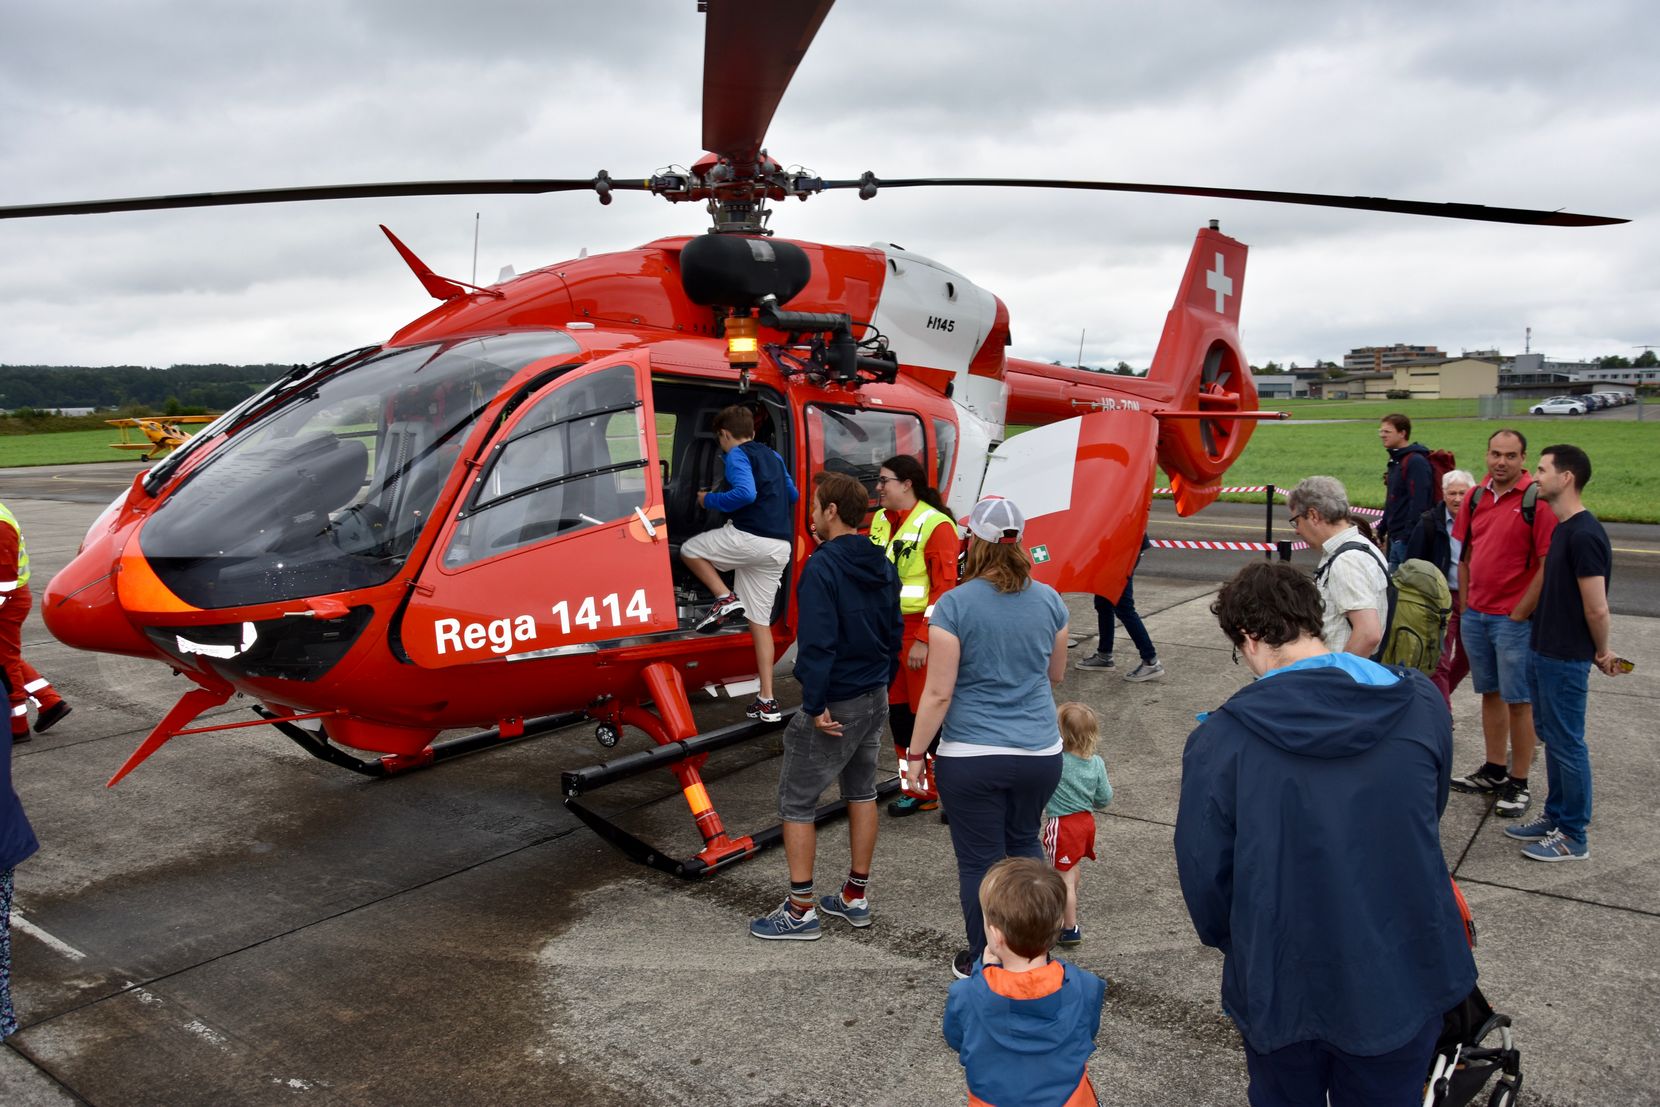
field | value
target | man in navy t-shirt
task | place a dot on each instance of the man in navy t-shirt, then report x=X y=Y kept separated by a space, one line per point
x=1570 y=634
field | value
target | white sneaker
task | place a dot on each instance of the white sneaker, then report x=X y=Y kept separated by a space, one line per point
x=1147 y=670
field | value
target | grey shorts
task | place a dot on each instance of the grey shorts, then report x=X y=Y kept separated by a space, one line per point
x=812 y=758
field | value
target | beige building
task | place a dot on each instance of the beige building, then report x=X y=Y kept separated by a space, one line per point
x=1458 y=378
x=1454 y=378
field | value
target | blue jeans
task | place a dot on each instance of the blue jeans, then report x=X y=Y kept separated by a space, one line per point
x=1301 y=1074
x=1498 y=649
x=1125 y=610
x=1397 y=553
x=1559 y=689
x=996 y=805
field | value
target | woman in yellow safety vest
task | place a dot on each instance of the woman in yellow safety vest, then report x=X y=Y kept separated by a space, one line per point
x=916 y=529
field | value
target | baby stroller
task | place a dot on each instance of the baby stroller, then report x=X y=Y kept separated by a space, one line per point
x=1474 y=1048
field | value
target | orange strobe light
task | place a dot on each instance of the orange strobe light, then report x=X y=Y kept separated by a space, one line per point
x=743 y=342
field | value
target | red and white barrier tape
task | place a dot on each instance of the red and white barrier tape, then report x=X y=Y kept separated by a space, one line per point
x=1244 y=547
x=1279 y=494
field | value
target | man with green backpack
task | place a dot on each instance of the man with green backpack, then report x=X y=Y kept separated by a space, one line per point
x=1399 y=617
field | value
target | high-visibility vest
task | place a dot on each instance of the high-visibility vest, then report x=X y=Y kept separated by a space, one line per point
x=905 y=550
x=22 y=554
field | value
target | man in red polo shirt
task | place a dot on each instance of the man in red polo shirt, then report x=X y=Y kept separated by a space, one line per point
x=1506 y=534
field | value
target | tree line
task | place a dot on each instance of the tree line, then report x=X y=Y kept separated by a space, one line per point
x=179 y=388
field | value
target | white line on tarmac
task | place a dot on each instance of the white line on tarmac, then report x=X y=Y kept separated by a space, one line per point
x=43 y=937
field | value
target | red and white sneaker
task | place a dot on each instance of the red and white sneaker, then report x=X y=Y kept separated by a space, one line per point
x=721 y=610
x=765 y=710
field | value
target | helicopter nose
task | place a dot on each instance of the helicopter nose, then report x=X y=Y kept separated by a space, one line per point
x=81 y=609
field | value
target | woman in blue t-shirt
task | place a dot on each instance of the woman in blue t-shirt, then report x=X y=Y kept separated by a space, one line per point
x=997 y=643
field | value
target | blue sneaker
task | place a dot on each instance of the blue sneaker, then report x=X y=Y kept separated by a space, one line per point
x=1557 y=846
x=1534 y=830
x=857 y=912
x=782 y=924
x=1070 y=936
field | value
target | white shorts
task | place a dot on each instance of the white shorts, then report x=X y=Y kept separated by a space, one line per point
x=756 y=563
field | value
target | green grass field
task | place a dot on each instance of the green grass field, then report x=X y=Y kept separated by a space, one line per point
x=1624 y=486
x=1377 y=409
x=64 y=448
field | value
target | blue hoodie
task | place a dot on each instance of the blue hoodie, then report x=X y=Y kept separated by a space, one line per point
x=1021 y=1044
x=850 y=627
x=1309 y=849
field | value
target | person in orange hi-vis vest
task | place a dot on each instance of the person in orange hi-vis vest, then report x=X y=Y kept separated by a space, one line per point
x=27 y=685
x=916 y=529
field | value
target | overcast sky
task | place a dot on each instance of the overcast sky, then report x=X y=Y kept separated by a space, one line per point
x=1522 y=104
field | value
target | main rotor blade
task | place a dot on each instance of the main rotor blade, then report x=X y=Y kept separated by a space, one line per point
x=1313 y=199
x=321 y=192
x=750 y=51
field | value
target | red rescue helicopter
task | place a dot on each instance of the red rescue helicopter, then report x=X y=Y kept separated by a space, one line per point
x=476 y=522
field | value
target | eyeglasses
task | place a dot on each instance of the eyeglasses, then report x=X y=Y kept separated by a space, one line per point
x=1294 y=518
x=888 y=480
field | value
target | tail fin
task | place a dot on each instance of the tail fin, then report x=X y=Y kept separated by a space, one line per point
x=1199 y=355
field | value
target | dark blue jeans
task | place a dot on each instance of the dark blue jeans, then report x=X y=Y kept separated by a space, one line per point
x=1125 y=610
x=1559 y=691
x=1301 y=1074
x=1397 y=553
x=996 y=805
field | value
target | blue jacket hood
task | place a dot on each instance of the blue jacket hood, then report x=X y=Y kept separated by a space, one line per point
x=855 y=558
x=1312 y=712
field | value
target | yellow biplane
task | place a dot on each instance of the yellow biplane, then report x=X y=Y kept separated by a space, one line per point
x=161 y=435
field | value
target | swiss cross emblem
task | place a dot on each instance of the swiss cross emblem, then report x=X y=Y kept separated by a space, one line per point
x=1040 y=554
x=1220 y=283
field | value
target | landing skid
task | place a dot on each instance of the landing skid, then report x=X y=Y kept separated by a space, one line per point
x=391 y=764
x=577 y=782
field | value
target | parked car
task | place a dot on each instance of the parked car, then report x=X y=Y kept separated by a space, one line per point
x=1559 y=405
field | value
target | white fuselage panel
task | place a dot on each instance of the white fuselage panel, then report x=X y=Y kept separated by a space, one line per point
x=934 y=316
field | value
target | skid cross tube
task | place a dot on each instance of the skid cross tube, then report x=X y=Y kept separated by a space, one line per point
x=577 y=782
x=319 y=746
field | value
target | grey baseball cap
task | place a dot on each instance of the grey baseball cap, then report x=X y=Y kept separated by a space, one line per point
x=995 y=519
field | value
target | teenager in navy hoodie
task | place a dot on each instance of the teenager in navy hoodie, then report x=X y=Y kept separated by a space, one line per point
x=1309 y=849
x=847 y=651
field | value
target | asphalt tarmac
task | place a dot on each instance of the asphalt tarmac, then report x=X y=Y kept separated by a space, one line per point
x=239 y=923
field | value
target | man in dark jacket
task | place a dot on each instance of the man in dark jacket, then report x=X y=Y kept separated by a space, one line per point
x=1409 y=485
x=847 y=652
x=1432 y=541
x=1309 y=851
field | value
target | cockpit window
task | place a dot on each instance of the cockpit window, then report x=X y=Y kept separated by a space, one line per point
x=329 y=490
x=576 y=458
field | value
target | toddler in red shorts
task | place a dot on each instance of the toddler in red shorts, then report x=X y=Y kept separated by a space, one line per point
x=1069 y=816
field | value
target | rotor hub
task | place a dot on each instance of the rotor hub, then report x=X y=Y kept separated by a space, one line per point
x=736 y=195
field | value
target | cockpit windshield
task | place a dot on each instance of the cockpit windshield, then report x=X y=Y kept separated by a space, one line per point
x=330 y=488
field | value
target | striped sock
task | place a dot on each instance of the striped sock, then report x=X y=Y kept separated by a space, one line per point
x=801 y=897
x=854 y=889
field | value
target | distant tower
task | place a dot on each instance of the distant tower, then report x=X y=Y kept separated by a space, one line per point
x=1527 y=344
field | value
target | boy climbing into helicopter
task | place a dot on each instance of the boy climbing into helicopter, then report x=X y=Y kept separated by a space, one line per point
x=754 y=544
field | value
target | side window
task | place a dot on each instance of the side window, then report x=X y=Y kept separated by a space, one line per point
x=945 y=441
x=855 y=442
x=576 y=458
